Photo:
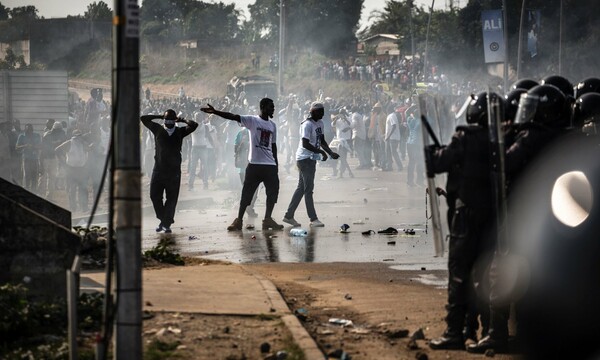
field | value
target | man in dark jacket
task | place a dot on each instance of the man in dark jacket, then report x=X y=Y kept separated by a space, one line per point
x=166 y=175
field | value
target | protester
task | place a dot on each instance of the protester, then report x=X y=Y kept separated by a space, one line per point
x=74 y=155
x=313 y=140
x=166 y=175
x=263 y=163
x=29 y=144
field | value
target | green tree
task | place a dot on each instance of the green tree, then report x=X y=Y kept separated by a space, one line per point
x=28 y=13
x=98 y=11
x=218 y=22
x=12 y=61
x=328 y=27
x=4 y=11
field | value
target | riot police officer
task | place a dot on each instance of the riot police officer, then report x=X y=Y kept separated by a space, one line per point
x=470 y=228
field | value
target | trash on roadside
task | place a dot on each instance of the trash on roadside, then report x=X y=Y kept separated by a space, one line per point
x=192 y=237
x=388 y=259
x=344 y=228
x=301 y=314
x=358 y=222
x=325 y=332
x=281 y=355
x=389 y=231
x=348 y=297
x=253 y=237
x=339 y=354
x=249 y=226
x=369 y=232
x=265 y=347
x=397 y=334
x=423 y=268
x=360 y=331
x=418 y=335
x=342 y=322
x=174 y=330
x=298 y=232
x=409 y=231
x=391 y=243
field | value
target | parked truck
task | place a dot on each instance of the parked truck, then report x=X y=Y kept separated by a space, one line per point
x=251 y=89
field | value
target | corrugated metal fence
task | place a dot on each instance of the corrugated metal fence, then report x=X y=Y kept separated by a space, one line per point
x=34 y=97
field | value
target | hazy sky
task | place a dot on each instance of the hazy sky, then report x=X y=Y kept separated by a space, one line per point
x=62 y=8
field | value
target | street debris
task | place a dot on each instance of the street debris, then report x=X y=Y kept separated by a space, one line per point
x=339 y=354
x=389 y=231
x=344 y=228
x=396 y=334
x=265 y=347
x=421 y=356
x=388 y=259
x=391 y=242
x=368 y=232
x=360 y=331
x=301 y=314
x=348 y=297
x=342 y=322
x=409 y=231
x=412 y=345
x=418 y=335
x=358 y=222
x=192 y=237
x=325 y=332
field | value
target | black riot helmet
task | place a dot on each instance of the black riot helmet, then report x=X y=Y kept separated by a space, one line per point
x=524 y=84
x=511 y=103
x=587 y=86
x=560 y=82
x=586 y=110
x=477 y=110
x=544 y=104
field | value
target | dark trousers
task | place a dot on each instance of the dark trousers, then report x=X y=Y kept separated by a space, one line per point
x=469 y=242
x=306 y=185
x=168 y=184
x=415 y=163
x=255 y=174
x=31 y=170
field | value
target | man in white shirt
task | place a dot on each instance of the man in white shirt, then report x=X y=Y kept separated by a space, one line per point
x=343 y=133
x=313 y=139
x=262 y=159
x=392 y=141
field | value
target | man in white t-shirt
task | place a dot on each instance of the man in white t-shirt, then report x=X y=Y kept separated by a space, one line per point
x=262 y=158
x=313 y=139
x=392 y=141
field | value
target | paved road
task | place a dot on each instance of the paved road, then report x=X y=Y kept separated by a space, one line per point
x=373 y=200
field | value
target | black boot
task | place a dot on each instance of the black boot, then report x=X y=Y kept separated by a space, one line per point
x=497 y=339
x=489 y=343
x=452 y=339
x=448 y=342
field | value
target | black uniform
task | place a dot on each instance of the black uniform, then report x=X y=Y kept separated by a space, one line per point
x=473 y=210
x=166 y=175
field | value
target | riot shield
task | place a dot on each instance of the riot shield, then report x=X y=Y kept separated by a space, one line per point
x=495 y=116
x=427 y=132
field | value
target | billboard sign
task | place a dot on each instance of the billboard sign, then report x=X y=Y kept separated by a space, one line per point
x=493 y=36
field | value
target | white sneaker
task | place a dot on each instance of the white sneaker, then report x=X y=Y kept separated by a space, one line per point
x=316 y=223
x=291 y=221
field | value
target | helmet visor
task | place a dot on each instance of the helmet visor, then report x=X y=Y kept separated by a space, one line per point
x=527 y=107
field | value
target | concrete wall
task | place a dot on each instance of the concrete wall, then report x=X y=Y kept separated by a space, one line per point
x=35 y=203
x=34 y=250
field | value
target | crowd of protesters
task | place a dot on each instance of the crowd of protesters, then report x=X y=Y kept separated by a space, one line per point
x=375 y=133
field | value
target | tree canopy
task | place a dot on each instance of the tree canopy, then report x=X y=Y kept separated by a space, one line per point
x=98 y=11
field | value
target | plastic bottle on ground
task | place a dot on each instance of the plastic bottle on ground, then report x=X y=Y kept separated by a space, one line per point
x=298 y=232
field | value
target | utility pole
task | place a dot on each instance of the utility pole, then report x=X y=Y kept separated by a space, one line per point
x=127 y=180
x=560 y=38
x=520 y=46
x=505 y=29
x=427 y=39
x=412 y=42
x=281 y=44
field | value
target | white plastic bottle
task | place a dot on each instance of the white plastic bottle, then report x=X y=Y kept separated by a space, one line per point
x=316 y=156
x=298 y=232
